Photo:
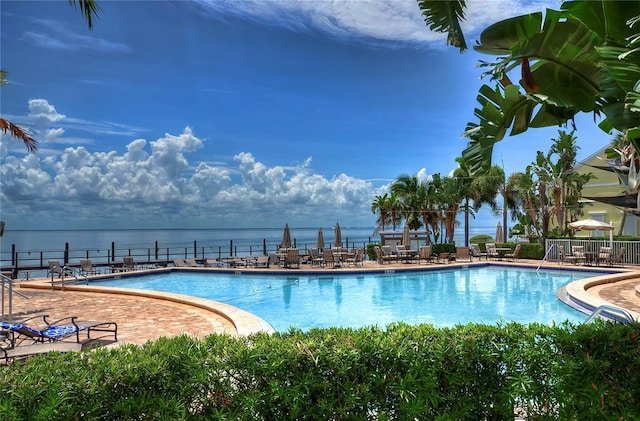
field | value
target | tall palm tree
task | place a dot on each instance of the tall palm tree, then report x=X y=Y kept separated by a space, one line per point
x=408 y=189
x=382 y=204
x=89 y=10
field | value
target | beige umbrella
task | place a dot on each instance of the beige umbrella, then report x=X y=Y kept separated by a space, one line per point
x=338 y=241
x=320 y=243
x=590 y=225
x=286 y=238
x=406 y=237
x=499 y=233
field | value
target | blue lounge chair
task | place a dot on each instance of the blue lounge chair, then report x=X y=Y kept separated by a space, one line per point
x=54 y=331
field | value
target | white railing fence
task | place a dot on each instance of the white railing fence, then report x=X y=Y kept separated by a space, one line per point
x=632 y=248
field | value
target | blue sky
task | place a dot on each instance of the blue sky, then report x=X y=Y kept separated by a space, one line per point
x=236 y=113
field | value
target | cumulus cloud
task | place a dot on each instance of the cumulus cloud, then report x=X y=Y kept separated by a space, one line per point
x=160 y=182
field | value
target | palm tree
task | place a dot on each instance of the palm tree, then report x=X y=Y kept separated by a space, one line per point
x=408 y=190
x=382 y=205
x=89 y=10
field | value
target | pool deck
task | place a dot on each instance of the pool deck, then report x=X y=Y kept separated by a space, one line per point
x=142 y=315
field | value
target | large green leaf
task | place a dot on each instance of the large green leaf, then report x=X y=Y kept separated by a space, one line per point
x=445 y=16
x=565 y=70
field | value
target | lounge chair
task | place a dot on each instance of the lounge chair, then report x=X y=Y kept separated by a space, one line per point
x=476 y=252
x=8 y=355
x=86 y=268
x=443 y=257
x=180 y=263
x=191 y=263
x=262 y=261
x=388 y=254
x=53 y=331
x=211 y=262
x=513 y=256
x=56 y=268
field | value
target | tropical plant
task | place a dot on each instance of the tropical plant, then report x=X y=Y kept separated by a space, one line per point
x=89 y=10
x=409 y=189
x=582 y=58
x=385 y=206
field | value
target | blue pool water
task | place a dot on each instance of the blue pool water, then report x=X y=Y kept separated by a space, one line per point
x=442 y=298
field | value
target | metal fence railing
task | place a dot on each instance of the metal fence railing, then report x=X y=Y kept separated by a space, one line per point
x=631 y=256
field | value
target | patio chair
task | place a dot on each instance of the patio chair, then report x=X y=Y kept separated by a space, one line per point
x=388 y=254
x=492 y=252
x=316 y=257
x=619 y=259
x=56 y=268
x=514 y=256
x=605 y=255
x=86 y=268
x=293 y=258
x=357 y=259
x=578 y=254
x=443 y=257
x=424 y=254
x=128 y=263
x=463 y=253
x=329 y=259
x=476 y=252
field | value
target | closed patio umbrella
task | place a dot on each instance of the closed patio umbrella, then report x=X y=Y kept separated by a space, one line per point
x=320 y=243
x=286 y=238
x=406 y=237
x=338 y=241
x=499 y=233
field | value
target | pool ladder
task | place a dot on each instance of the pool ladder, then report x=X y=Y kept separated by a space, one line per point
x=612 y=313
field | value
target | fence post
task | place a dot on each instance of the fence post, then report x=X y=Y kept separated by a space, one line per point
x=195 y=249
x=66 y=253
x=264 y=247
x=113 y=251
x=230 y=248
x=156 y=249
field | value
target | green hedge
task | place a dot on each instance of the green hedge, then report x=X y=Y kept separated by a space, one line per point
x=467 y=372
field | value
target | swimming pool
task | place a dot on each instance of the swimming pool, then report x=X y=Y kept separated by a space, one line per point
x=485 y=294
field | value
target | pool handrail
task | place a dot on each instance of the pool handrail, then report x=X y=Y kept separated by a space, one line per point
x=545 y=256
x=615 y=314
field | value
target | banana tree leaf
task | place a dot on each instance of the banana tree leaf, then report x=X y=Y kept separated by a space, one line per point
x=445 y=16
x=605 y=18
x=500 y=37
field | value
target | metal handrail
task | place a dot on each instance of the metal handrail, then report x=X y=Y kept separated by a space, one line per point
x=7 y=283
x=614 y=313
x=545 y=256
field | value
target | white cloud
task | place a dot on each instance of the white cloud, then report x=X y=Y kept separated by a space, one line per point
x=155 y=183
x=380 y=20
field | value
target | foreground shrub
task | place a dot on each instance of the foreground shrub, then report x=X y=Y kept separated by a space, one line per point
x=467 y=372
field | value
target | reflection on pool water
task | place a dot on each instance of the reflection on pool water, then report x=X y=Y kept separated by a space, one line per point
x=443 y=298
